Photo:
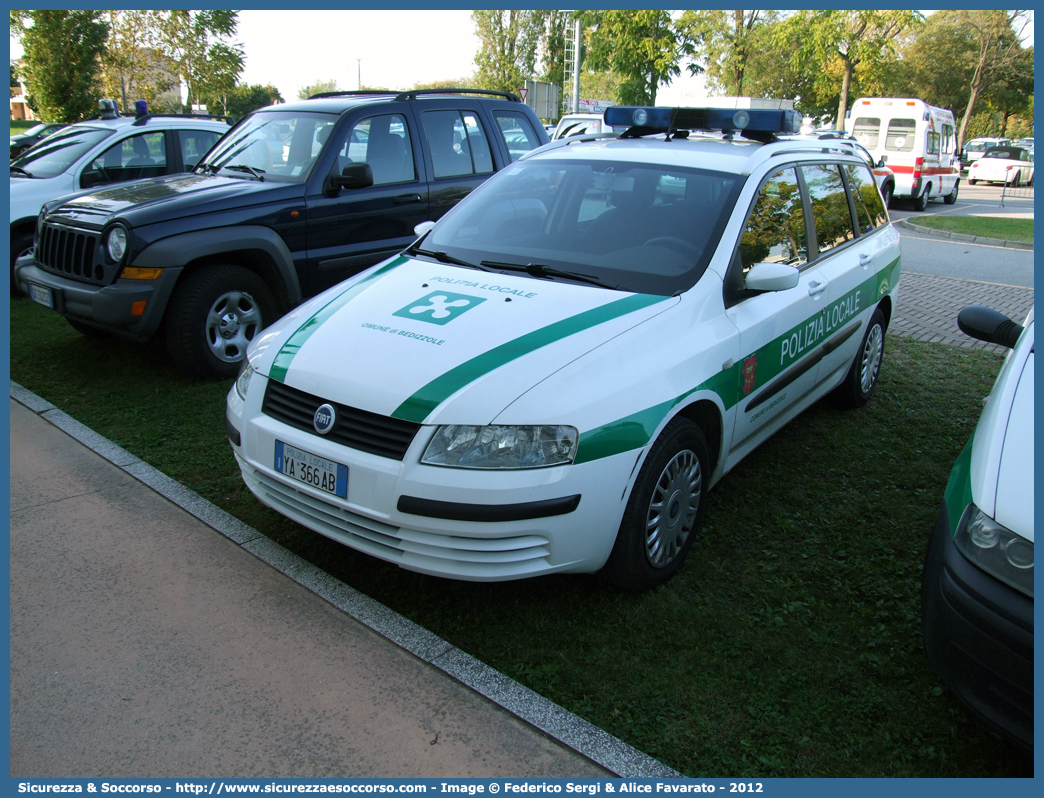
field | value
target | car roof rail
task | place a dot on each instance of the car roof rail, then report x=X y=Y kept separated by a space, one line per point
x=141 y=120
x=565 y=142
x=355 y=93
x=412 y=94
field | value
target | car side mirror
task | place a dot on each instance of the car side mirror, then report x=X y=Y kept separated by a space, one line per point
x=771 y=277
x=422 y=229
x=354 y=175
x=987 y=324
x=90 y=178
x=880 y=162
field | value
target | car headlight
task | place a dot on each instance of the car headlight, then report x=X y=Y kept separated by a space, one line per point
x=496 y=447
x=116 y=243
x=995 y=549
x=246 y=373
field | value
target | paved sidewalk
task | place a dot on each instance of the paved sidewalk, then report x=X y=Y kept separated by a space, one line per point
x=146 y=644
x=928 y=306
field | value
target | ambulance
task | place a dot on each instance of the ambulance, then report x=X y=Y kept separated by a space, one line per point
x=552 y=377
x=917 y=141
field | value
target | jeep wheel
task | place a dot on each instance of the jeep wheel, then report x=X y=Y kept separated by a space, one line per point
x=664 y=511
x=20 y=244
x=214 y=314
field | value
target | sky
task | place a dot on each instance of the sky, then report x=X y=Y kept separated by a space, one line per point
x=393 y=49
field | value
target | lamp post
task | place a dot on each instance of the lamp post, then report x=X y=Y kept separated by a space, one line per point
x=358 y=79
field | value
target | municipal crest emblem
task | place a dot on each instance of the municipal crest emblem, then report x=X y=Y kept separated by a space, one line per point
x=749 y=365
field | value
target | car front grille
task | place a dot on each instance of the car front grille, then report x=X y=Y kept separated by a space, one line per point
x=356 y=429
x=69 y=252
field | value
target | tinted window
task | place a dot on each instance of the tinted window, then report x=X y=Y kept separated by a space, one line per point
x=384 y=143
x=870 y=210
x=281 y=145
x=867 y=130
x=775 y=231
x=900 y=137
x=136 y=157
x=194 y=144
x=830 y=211
x=518 y=134
x=458 y=144
x=640 y=227
x=1001 y=152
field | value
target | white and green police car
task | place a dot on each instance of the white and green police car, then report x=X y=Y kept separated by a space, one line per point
x=552 y=377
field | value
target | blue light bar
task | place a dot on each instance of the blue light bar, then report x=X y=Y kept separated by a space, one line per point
x=655 y=118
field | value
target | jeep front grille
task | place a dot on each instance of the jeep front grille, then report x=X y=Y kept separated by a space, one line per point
x=69 y=252
x=356 y=429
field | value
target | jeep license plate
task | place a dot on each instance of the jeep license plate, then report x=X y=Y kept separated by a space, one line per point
x=41 y=294
x=311 y=469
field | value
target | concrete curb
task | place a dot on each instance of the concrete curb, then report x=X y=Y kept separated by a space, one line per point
x=995 y=242
x=556 y=722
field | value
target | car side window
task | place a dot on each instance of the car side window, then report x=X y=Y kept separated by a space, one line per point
x=775 y=231
x=830 y=211
x=194 y=143
x=383 y=142
x=458 y=144
x=518 y=134
x=133 y=158
x=870 y=210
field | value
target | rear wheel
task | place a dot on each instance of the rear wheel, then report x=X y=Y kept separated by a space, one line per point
x=861 y=380
x=921 y=202
x=213 y=316
x=1016 y=181
x=951 y=198
x=972 y=180
x=664 y=511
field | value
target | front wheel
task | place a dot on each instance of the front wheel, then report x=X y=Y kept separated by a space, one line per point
x=972 y=180
x=886 y=195
x=861 y=381
x=214 y=314
x=664 y=511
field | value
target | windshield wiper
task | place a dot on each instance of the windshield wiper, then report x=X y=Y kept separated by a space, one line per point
x=442 y=257
x=541 y=270
x=258 y=173
x=208 y=167
x=22 y=171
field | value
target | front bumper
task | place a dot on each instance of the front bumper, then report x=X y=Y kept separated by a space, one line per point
x=107 y=307
x=978 y=634
x=449 y=522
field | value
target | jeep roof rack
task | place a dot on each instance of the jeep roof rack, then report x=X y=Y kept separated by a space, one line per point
x=412 y=94
x=355 y=93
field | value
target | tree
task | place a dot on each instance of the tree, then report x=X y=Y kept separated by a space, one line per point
x=730 y=43
x=508 y=53
x=192 y=39
x=219 y=75
x=456 y=83
x=847 y=44
x=61 y=62
x=644 y=48
x=14 y=75
x=318 y=87
x=243 y=99
x=132 y=66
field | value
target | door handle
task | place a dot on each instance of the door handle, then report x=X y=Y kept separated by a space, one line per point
x=864 y=259
x=816 y=288
x=406 y=199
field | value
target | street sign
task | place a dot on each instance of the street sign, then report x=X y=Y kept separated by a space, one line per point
x=522 y=92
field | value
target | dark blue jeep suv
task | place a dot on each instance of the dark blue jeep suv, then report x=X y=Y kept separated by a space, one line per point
x=293 y=199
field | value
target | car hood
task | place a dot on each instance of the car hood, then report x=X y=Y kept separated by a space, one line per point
x=434 y=343
x=28 y=194
x=170 y=197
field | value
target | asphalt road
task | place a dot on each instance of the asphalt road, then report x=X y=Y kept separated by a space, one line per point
x=987 y=264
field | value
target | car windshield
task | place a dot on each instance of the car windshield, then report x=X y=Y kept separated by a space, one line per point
x=35 y=129
x=58 y=152
x=275 y=145
x=638 y=227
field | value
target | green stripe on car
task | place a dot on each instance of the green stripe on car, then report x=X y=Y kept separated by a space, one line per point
x=419 y=406
x=293 y=345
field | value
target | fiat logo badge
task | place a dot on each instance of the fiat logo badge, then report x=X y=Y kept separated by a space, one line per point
x=324 y=419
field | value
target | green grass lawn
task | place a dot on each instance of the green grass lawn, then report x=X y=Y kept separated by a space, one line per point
x=22 y=125
x=788 y=645
x=988 y=226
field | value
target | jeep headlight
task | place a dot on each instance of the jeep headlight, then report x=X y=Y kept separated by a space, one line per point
x=116 y=243
x=497 y=447
x=995 y=549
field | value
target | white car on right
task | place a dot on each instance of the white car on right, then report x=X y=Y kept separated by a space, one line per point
x=1006 y=164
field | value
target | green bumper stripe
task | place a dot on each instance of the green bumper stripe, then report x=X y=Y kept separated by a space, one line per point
x=958 y=493
x=423 y=402
x=636 y=430
x=294 y=343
